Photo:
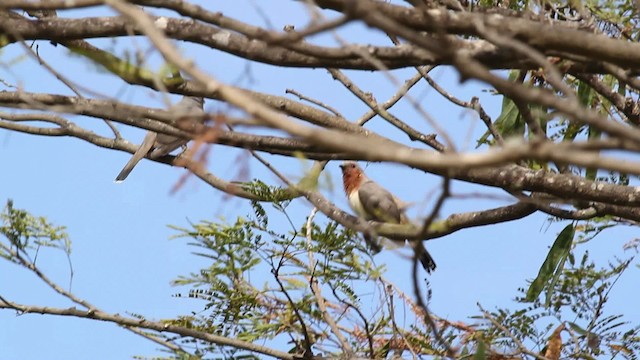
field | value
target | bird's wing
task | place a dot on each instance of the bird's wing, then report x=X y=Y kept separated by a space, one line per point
x=188 y=106
x=142 y=151
x=378 y=203
x=381 y=205
x=165 y=144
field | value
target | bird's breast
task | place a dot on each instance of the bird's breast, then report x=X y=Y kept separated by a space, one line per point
x=356 y=205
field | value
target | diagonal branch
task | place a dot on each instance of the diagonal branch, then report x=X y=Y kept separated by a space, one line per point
x=150 y=325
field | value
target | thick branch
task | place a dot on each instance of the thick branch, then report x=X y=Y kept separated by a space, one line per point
x=547 y=37
x=60 y=30
x=506 y=177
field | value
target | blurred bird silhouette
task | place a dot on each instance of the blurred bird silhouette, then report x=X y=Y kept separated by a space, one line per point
x=157 y=145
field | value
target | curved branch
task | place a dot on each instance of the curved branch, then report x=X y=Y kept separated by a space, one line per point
x=506 y=177
x=556 y=36
x=150 y=325
x=70 y=129
x=627 y=106
x=59 y=30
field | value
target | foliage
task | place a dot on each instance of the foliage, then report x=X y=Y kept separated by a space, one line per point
x=26 y=232
x=282 y=304
x=562 y=143
x=282 y=287
x=272 y=309
x=577 y=300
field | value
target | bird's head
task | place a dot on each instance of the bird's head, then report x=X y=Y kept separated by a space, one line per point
x=352 y=176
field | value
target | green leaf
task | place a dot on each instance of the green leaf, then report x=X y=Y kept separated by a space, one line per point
x=25 y=231
x=585 y=94
x=296 y=283
x=480 y=351
x=553 y=264
x=593 y=134
x=587 y=97
x=578 y=329
x=509 y=122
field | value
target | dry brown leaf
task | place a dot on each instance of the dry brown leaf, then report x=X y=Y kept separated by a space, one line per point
x=554 y=346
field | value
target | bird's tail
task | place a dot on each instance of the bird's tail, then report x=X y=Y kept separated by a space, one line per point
x=147 y=144
x=372 y=243
x=421 y=253
x=425 y=258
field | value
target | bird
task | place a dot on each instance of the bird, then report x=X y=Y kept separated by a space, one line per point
x=157 y=145
x=371 y=201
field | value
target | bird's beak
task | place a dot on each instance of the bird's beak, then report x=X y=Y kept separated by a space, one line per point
x=341 y=166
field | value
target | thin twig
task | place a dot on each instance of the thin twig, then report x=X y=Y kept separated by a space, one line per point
x=507 y=332
x=275 y=270
x=365 y=322
x=314 y=101
x=315 y=288
x=437 y=333
x=475 y=105
x=428 y=139
x=396 y=329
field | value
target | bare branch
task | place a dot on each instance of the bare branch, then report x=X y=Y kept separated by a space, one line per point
x=150 y=325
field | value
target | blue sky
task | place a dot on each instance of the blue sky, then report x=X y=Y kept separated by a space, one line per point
x=122 y=257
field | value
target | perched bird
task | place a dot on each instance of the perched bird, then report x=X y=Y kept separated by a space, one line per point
x=373 y=202
x=157 y=145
